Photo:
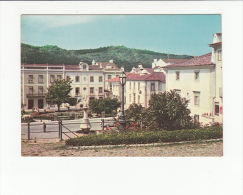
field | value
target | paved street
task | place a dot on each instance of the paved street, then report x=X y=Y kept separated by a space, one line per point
x=200 y=148
x=36 y=128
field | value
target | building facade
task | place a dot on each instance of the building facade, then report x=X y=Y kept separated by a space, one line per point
x=141 y=83
x=200 y=81
x=88 y=81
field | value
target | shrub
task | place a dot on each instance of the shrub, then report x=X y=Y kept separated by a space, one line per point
x=115 y=138
x=169 y=111
x=38 y=115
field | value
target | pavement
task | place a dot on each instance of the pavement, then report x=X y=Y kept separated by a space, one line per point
x=52 y=129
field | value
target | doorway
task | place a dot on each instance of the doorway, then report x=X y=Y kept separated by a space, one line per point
x=40 y=103
x=30 y=104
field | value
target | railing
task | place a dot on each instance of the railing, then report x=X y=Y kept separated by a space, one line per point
x=35 y=95
x=60 y=129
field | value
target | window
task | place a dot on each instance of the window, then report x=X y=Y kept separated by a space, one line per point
x=117 y=75
x=216 y=108
x=178 y=91
x=138 y=86
x=31 y=90
x=31 y=79
x=134 y=98
x=109 y=76
x=100 y=79
x=40 y=78
x=139 y=99
x=76 y=91
x=91 y=79
x=52 y=78
x=77 y=79
x=196 y=118
x=91 y=89
x=59 y=77
x=177 y=75
x=84 y=66
x=152 y=87
x=219 y=55
x=100 y=97
x=40 y=90
x=100 y=89
x=196 y=98
x=196 y=75
x=84 y=88
x=84 y=78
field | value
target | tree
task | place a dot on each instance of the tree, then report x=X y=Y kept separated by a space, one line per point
x=169 y=110
x=73 y=101
x=107 y=104
x=58 y=92
x=134 y=112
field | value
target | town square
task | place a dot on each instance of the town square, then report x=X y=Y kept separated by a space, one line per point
x=121 y=97
x=126 y=96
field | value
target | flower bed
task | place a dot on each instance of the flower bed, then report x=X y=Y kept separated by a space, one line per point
x=38 y=115
x=144 y=137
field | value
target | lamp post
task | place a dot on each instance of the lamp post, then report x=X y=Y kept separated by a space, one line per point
x=122 y=121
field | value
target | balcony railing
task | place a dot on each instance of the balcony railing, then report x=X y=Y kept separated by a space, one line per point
x=35 y=95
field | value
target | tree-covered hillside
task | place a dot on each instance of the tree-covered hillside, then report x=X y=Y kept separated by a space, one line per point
x=122 y=56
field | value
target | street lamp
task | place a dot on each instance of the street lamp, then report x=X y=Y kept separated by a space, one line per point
x=122 y=121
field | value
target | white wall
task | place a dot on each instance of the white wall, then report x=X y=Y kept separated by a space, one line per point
x=84 y=82
x=188 y=85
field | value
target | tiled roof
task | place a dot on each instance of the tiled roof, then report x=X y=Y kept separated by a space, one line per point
x=67 y=67
x=196 y=61
x=174 y=61
x=42 y=64
x=217 y=43
x=112 y=69
x=95 y=67
x=72 y=67
x=116 y=79
x=150 y=70
x=105 y=64
x=155 y=76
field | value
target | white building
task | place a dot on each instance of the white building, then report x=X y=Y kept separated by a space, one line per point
x=88 y=81
x=165 y=62
x=200 y=80
x=140 y=85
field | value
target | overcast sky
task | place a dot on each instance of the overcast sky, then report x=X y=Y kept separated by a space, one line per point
x=177 y=34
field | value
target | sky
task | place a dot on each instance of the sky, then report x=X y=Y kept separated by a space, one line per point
x=173 y=34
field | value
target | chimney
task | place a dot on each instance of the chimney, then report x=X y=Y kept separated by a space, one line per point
x=93 y=62
x=133 y=70
x=111 y=61
x=140 y=66
x=122 y=68
x=155 y=60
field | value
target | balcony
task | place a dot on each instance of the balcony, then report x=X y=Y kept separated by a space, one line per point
x=35 y=95
x=152 y=91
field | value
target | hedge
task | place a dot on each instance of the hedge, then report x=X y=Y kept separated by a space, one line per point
x=147 y=137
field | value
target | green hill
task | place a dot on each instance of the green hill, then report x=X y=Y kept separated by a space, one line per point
x=122 y=56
